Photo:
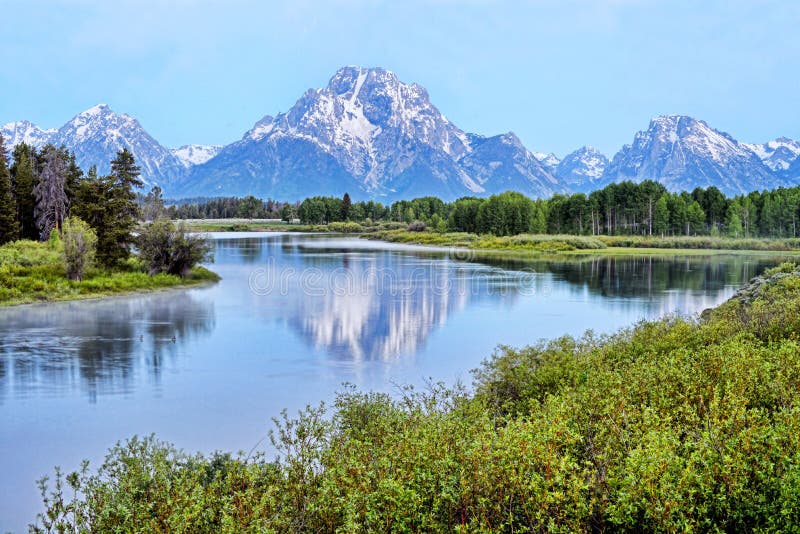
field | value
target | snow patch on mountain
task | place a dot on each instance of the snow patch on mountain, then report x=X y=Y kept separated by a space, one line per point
x=190 y=155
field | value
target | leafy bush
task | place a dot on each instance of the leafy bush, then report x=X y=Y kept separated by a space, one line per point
x=166 y=248
x=347 y=227
x=79 y=243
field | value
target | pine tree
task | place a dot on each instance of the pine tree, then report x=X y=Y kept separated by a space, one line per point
x=9 y=228
x=115 y=196
x=50 y=193
x=24 y=176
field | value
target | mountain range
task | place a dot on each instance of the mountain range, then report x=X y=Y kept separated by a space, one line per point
x=371 y=134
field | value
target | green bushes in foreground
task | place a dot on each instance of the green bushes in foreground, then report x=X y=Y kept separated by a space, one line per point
x=672 y=425
x=34 y=272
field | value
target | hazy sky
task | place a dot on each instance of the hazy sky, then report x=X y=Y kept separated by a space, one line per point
x=559 y=73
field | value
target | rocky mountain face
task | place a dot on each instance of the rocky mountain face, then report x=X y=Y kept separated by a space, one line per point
x=683 y=153
x=373 y=135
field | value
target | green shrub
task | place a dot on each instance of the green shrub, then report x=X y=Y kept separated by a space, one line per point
x=347 y=227
x=79 y=245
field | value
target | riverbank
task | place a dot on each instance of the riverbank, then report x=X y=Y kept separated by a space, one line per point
x=674 y=424
x=246 y=225
x=34 y=272
x=568 y=244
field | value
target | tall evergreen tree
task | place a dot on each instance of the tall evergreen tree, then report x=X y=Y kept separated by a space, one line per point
x=116 y=197
x=9 y=228
x=25 y=177
x=51 y=194
x=346 y=205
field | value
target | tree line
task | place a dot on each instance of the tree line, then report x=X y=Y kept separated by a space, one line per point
x=624 y=208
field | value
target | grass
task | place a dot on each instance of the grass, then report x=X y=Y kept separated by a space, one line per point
x=34 y=272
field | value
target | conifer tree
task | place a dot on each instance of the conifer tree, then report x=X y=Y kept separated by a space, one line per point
x=115 y=197
x=24 y=177
x=9 y=229
x=346 y=205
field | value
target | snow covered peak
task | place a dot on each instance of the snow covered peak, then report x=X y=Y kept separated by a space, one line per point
x=582 y=169
x=97 y=134
x=18 y=132
x=190 y=155
x=369 y=131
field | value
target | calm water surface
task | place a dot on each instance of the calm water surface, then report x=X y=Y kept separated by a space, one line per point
x=294 y=317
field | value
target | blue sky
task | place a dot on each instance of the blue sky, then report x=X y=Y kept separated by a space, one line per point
x=559 y=73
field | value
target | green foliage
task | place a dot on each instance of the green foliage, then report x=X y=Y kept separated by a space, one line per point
x=109 y=205
x=9 y=227
x=34 y=272
x=79 y=244
x=165 y=248
x=345 y=227
x=24 y=178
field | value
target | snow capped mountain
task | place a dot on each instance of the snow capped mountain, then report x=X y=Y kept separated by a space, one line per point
x=779 y=154
x=190 y=155
x=582 y=170
x=371 y=134
x=96 y=135
x=683 y=153
x=18 y=132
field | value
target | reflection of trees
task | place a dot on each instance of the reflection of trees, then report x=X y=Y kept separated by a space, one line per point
x=647 y=276
x=98 y=346
x=248 y=249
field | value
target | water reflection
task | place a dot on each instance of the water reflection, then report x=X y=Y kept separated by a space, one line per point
x=365 y=309
x=97 y=347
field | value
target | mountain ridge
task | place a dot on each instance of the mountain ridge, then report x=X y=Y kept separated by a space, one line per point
x=369 y=133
